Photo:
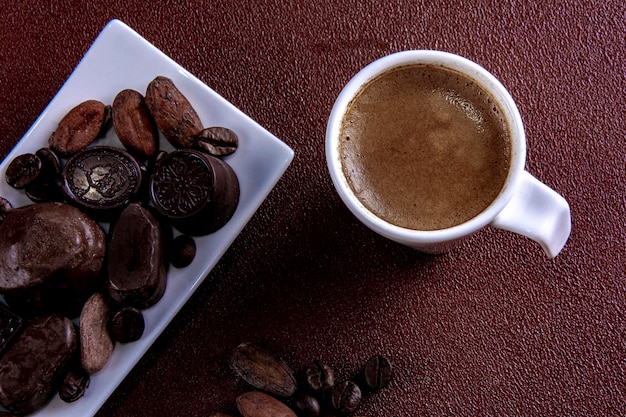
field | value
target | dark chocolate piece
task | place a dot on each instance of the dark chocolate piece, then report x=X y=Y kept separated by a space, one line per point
x=51 y=255
x=197 y=192
x=32 y=368
x=136 y=267
x=101 y=178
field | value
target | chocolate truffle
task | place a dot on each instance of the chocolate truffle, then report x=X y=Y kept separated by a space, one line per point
x=32 y=368
x=51 y=255
x=136 y=266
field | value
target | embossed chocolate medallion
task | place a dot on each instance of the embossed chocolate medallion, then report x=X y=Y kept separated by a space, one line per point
x=102 y=178
x=196 y=191
x=183 y=184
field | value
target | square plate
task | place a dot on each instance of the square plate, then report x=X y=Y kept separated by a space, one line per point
x=118 y=59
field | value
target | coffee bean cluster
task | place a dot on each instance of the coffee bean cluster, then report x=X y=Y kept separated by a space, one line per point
x=314 y=392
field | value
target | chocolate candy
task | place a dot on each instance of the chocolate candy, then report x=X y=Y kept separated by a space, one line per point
x=31 y=369
x=101 y=179
x=197 y=192
x=50 y=258
x=137 y=272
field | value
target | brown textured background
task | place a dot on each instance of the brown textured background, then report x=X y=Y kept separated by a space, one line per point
x=492 y=329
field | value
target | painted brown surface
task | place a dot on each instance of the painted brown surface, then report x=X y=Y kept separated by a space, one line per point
x=491 y=329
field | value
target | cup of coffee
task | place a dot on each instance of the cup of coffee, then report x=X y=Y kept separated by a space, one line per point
x=427 y=147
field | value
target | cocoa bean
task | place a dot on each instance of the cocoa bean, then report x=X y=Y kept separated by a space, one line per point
x=80 y=127
x=134 y=124
x=96 y=344
x=173 y=113
x=263 y=370
x=259 y=404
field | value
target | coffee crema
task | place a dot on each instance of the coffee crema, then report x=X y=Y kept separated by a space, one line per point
x=424 y=147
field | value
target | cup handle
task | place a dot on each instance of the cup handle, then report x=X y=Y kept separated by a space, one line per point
x=538 y=212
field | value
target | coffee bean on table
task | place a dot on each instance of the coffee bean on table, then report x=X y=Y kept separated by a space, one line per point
x=183 y=251
x=23 y=170
x=218 y=141
x=127 y=325
x=306 y=405
x=319 y=376
x=378 y=372
x=346 y=397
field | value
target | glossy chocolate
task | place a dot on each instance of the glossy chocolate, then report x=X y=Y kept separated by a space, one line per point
x=197 y=192
x=31 y=369
x=102 y=178
x=136 y=266
x=51 y=255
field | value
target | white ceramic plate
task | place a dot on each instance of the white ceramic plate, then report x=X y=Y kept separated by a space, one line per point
x=118 y=59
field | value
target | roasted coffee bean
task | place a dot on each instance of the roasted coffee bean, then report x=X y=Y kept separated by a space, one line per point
x=74 y=385
x=259 y=404
x=346 y=397
x=173 y=113
x=218 y=141
x=79 y=127
x=134 y=124
x=51 y=166
x=5 y=208
x=263 y=370
x=378 y=372
x=183 y=251
x=127 y=325
x=319 y=376
x=306 y=405
x=23 y=170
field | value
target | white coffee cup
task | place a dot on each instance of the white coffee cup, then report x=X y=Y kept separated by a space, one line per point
x=524 y=205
